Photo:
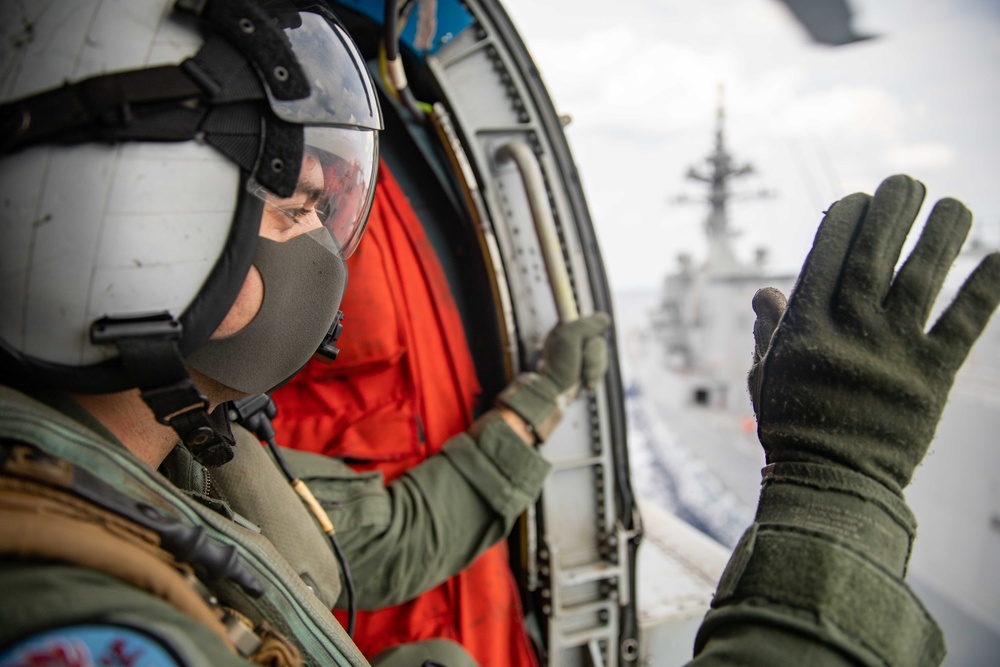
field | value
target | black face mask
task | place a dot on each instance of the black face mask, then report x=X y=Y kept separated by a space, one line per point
x=304 y=282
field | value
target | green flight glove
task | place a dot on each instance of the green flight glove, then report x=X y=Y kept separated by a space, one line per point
x=850 y=376
x=574 y=352
x=848 y=386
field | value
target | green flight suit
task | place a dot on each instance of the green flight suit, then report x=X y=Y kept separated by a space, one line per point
x=399 y=539
x=433 y=521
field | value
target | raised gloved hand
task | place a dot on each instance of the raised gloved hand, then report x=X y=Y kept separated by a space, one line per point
x=848 y=388
x=574 y=352
x=850 y=376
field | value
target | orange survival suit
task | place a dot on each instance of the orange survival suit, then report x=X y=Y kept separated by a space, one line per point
x=404 y=382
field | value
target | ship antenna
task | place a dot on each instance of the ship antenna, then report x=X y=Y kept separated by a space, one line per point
x=721 y=171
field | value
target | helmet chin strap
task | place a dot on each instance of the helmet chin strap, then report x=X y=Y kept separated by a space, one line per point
x=148 y=349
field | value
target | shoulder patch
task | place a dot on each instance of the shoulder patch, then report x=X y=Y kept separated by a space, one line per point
x=89 y=646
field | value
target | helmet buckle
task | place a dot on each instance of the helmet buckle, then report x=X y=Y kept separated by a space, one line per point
x=147 y=346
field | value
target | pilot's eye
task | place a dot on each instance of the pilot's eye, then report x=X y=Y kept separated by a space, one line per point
x=300 y=214
x=303 y=214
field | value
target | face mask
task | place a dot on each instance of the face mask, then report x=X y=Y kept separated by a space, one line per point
x=304 y=280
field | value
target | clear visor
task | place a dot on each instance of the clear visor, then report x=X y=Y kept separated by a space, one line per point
x=335 y=189
x=340 y=88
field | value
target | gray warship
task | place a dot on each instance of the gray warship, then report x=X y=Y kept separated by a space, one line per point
x=693 y=438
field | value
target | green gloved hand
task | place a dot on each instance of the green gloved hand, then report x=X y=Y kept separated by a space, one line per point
x=848 y=388
x=850 y=376
x=574 y=352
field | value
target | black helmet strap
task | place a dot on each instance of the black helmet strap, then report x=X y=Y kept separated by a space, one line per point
x=112 y=107
x=148 y=350
x=217 y=94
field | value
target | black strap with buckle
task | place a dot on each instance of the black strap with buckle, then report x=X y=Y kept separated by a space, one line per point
x=152 y=360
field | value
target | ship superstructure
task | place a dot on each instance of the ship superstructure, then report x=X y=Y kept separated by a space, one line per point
x=704 y=313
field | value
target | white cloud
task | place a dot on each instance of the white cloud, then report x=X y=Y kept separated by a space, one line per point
x=859 y=111
x=926 y=155
x=639 y=78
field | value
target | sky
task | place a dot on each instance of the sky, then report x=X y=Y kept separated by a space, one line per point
x=640 y=80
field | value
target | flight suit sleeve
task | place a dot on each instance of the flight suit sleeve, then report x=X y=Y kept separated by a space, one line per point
x=405 y=538
x=819 y=579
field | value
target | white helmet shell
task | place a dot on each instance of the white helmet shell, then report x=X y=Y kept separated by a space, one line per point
x=115 y=230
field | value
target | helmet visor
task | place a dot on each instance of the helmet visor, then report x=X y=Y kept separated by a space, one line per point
x=340 y=88
x=335 y=188
x=341 y=116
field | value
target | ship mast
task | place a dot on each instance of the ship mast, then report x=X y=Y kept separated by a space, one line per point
x=689 y=313
x=721 y=170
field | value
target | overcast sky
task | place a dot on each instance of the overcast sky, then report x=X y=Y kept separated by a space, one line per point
x=640 y=80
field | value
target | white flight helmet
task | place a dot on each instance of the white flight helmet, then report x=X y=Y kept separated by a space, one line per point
x=140 y=141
